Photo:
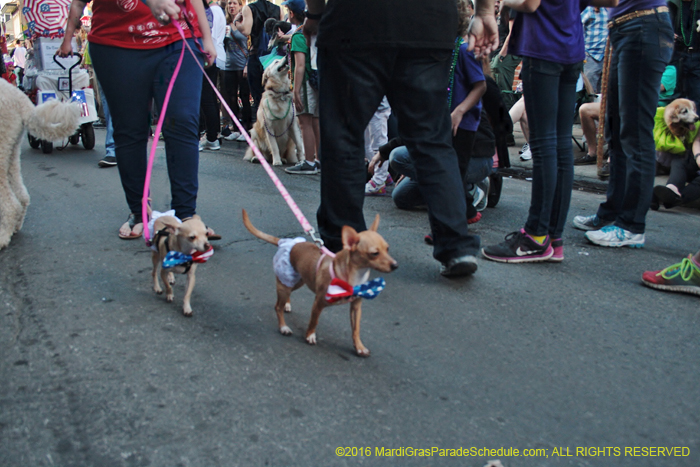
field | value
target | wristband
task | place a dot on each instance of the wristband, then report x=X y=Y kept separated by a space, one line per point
x=314 y=16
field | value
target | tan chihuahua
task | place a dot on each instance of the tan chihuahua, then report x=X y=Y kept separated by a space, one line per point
x=361 y=252
x=188 y=237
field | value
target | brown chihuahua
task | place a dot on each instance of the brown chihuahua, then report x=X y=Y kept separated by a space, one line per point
x=361 y=252
x=188 y=237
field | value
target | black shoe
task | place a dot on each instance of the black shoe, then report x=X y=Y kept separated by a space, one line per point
x=510 y=140
x=604 y=171
x=108 y=161
x=667 y=196
x=460 y=266
x=586 y=159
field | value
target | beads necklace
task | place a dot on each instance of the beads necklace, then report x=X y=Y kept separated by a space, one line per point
x=692 y=24
x=455 y=54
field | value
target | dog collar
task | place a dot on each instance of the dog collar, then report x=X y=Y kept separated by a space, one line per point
x=339 y=289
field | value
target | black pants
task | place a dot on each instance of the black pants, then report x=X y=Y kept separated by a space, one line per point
x=235 y=85
x=210 y=104
x=352 y=84
x=255 y=73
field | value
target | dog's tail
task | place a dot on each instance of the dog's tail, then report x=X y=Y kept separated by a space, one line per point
x=261 y=235
x=51 y=121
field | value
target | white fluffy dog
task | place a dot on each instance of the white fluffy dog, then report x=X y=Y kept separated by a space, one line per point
x=276 y=132
x=50 y=122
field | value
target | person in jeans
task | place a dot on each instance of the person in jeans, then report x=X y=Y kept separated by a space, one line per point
x=551 y=67
x=134 y=69
x=642 y=43
x=364 y=54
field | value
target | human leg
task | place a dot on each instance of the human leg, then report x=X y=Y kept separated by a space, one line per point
x=589 y=114
x=130 y=95
x=641 y=49
x=181 y=127
x=345 y=110
x=255 y=73
x=210 y=104
x=423 y=76
x=550 y=98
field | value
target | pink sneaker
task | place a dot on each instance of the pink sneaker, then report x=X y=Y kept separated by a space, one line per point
x=558 y=255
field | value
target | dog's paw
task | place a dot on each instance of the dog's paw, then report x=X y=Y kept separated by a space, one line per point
x=286 y=331
x=276 y=163
x=287 y=307
x=157 y=289
x=169 y=297
x=187 y=311
x=311 y=338
x=362 y=352
x=171 y=278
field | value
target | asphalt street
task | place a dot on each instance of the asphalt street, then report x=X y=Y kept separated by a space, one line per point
x=563 y=359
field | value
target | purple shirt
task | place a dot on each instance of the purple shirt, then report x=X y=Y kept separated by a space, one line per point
x=628 y=6
x=467 y=72
x=553 y=32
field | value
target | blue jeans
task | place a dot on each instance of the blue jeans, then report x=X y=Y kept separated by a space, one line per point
x=131 y=79
x=550 y=99
x=352 y=84
x=688 y=68
x=109 y=139
x=642 y=48
x=407 y=194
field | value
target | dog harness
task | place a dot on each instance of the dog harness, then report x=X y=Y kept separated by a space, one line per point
x=274 y=117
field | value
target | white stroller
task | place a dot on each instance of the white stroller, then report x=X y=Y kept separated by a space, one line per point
x=60 y=84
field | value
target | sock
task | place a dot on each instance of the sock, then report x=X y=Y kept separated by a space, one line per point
x=539 y=238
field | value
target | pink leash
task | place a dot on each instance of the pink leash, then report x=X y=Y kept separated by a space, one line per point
x=283 y=191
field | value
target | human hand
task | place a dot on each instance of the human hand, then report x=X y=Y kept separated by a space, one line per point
x=456 y=117
x=245 y=71
x=66 y=49
x=165 y=10
x=375 y=163
x=298 y=104
x=483 y=34
x=209 y=52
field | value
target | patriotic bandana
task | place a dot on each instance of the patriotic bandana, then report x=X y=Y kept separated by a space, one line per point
x=339 y=289
x=175 y=258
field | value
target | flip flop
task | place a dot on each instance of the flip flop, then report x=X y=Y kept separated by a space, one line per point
x=131 y=221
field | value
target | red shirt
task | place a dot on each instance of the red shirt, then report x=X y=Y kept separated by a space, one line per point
x=130 y=24
x=10 y=78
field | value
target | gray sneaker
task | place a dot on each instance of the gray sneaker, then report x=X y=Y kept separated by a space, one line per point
x=303 y=168
x=209 y=145
x=108 y=161
x=590 y=222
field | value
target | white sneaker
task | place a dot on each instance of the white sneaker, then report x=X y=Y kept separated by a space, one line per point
x=210 y=145
x=614 y=236
x=479 y=195
x=526 y=155
x=233 y=136
x=241 y=138
x=485 y=186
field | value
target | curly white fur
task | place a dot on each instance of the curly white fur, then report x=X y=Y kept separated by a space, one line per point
x=50 y=121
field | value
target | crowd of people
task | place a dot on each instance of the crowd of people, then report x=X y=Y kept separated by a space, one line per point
x=357 y=66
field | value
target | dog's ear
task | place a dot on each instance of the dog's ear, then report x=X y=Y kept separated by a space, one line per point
x=270 y=26
x=350 y=238
x=375 y=224
x=171 y=226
